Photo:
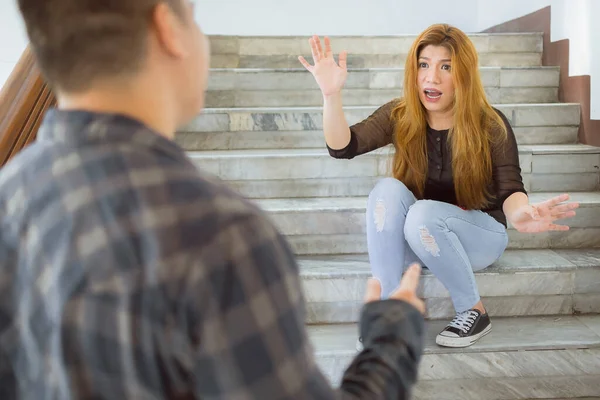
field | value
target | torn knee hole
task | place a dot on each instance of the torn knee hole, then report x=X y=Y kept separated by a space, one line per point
x=429 y=242
x=379 y=215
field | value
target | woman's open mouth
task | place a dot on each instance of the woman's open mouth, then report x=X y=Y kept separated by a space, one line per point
x=432 y=95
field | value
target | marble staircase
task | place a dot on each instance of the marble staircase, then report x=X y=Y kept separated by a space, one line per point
x=255 y=87
x=530 y=357
x=517 y=50
x=262 y=134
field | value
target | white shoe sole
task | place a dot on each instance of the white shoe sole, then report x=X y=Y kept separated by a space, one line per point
x=457 y=342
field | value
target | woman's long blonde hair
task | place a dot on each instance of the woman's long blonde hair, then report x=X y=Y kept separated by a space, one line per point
x=477 y=126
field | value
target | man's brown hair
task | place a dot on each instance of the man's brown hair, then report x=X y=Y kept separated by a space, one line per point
x=77 y=42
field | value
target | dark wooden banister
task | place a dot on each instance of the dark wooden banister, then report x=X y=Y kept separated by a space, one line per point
x=24 y=99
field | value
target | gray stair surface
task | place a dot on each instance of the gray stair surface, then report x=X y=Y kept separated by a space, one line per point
x=311 y=118
x=522 y=358
x=274 y=138
x=262 y=135
x=366 y=52
x=313 y=173
x=301 y=127
x=297 y=87
x=520 y=283
x=337 y=225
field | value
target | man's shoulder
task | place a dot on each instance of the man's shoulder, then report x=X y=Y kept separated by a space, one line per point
x=220 y=197
x=191 y=192
x=24 y=163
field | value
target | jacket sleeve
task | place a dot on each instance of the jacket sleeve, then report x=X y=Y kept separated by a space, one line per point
x=506 y=169
x=372 y=133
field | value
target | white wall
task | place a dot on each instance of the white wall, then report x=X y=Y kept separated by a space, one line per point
x=594 y=44
x=574 y=20
x=571 y=19
x=492 y=12
x=13 y=39
x=332 y=17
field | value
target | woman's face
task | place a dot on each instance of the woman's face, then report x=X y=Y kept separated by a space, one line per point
x=436 y=86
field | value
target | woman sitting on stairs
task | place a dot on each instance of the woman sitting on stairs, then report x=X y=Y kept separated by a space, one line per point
x=456 y=176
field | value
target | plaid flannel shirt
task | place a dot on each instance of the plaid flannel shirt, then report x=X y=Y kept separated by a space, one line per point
x=129 y=274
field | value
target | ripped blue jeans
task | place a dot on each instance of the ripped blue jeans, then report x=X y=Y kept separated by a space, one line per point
x=451 y=242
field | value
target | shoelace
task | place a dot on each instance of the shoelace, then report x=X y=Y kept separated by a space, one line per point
x=464 y=320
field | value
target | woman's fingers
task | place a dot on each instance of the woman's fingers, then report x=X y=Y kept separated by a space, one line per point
x=563 y=208
x=328 y=51
x=318 y=54
x=318 y=44
x=556 y=227
x=343 y=60
x=305 y=63
x=555 y=200
x=315 y=50
x=568 y=214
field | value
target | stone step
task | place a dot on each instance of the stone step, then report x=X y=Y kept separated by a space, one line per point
x=337 y=225
x=522 y=358
x=295 y=127
x=297 y=87
x=359 y=97
x=276 y=139
x=313 y=173
x=520 y=283
x=366 y=51
x=311 y=118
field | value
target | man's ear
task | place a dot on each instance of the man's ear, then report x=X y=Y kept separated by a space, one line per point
x=168 y=30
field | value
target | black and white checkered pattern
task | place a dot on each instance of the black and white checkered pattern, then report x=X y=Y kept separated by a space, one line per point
x=128 y=274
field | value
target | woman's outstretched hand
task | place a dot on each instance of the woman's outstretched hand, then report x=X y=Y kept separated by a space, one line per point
x=330 y=76
x=541 y=217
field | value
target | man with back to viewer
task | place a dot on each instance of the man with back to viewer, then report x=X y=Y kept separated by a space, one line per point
x=129 y=274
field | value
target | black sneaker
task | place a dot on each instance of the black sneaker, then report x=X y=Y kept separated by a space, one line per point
x=465 y=329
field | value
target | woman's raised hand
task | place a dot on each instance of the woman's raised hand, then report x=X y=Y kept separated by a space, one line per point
x=330 y=76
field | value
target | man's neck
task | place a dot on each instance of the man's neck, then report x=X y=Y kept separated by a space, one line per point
x=151 y=109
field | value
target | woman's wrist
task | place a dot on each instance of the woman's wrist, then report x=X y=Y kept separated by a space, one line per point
x=513 y=204
x=336 y=96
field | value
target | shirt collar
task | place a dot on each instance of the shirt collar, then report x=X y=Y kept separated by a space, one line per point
x=84 y=128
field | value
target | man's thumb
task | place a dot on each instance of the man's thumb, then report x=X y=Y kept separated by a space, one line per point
x=410 y=280
x=373 y=290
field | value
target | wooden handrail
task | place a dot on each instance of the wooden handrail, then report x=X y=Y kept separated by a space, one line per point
x=24 y=99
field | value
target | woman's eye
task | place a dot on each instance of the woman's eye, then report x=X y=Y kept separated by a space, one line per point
x=422 y=65
x=446 y=67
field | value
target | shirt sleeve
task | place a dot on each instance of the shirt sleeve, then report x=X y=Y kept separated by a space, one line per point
x=372 y=133
x=251 y=338
x=505 y=164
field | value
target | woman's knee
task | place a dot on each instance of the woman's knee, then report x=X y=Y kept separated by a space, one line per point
x=425 y=212
x=423 y=221
x=391 y=189
x=389 y=202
